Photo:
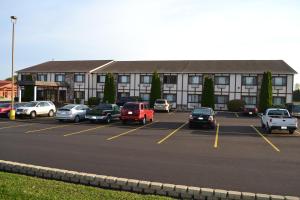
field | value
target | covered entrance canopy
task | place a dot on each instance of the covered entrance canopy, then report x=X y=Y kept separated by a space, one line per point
x=50 y=90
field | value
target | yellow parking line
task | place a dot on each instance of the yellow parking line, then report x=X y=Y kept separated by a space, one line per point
x=125 y=133
x=297 y=132
x=217 y=136
x=86 y=130
x=15 y=126
x=172 y=133
x=266 y=139
x=49 y=128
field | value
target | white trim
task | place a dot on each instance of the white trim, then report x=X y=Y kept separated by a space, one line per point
x=101 y=66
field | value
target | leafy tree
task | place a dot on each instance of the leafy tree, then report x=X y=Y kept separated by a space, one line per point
x=208 y=98
x=109 y=89
x=15 y=78
x=265 y=96
x=155 y=88
x=28 y=91
x=296 y=95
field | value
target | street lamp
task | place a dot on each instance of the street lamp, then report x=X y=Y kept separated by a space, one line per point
x=12 y=111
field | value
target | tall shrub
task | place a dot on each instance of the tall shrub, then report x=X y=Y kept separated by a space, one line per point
x=208 y=98
x=266 y=94
x=155 y=88
x=109 y=89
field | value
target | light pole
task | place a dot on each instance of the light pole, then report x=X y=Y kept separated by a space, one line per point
x=12 y=111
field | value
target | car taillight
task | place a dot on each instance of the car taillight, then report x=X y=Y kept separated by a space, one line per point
x=210 y=118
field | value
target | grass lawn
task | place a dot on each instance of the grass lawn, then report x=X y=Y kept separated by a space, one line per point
x=14 y=186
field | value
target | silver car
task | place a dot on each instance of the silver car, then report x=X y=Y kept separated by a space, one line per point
x=71 y=112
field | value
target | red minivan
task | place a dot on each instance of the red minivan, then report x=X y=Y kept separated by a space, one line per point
x=136 y=112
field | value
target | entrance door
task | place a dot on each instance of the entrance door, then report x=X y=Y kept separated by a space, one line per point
x=62 y=96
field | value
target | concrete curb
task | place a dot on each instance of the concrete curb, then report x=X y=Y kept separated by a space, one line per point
x=132 y=185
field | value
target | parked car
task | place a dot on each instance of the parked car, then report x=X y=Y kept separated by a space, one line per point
x=294 y=109
x=279 y=119
x=6 y=107
x=162 y=105
x=103 y=113
x=71 y=112
x=35 y=108
x=136 y=112
x=250 y=110
x=202 y=117
x=123 y=100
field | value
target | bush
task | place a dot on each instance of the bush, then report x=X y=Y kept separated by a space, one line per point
x=236 y=105
x=93 y=101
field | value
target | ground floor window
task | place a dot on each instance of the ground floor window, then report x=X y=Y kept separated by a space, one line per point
x=221 y=99
x=145 y=96
x=249 y=100
x=170 y=97
x=194 y=98
x=79 y=95
x=100 y=95
x=278 y=101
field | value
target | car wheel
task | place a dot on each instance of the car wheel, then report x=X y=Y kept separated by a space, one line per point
x=92 y=121
x=291 y=131
x=51 y=113
x=61 y=120
x=124 y=121
x=76 y=119
x=151 y=120
x=108 y=119
x=143 y=122
x=32 y=114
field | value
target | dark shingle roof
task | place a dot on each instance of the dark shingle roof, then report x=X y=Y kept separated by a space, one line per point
x=199 y=66
x=66 y=66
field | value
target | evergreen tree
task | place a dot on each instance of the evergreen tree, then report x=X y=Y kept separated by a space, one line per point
x=208 y=98
x=155 y=88
x=266 y=93
x=109 y=89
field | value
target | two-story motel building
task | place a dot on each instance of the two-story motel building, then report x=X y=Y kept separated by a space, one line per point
x=182 y=81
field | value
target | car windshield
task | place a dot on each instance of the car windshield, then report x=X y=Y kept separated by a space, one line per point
x=131 y=106
x=68 y=107
x=296 y=108
x=281 y=113
x=202 y=111
x=17 y=105
x=5 y=105
x=30 y=104
x=104 y=107
x=160 y=101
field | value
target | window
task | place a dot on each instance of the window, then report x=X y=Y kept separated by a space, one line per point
x=278 y=101
x=193 y=80
x=100 y=78
x=123 y=79
x=26 y=77
x=146 y=79
x=249 y=80
x=170 y=97
x=79 y=94
x=194 y=98
x=221 y=99
x=222 y=80
x=59 y=77
x=249 y=100
x=79 y=78
x=123 y=94
x=100 y=95
x=42 y=77
x=279 y=81
x=145 y=96
x=170 y=79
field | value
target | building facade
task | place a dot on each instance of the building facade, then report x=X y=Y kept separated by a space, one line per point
x=6 y=90
x=182 y=81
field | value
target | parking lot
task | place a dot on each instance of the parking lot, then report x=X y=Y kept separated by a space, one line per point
x=237 y=155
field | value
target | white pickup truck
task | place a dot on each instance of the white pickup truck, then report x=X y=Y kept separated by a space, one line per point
x=278 y=119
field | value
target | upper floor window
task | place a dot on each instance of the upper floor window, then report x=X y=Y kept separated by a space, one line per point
x=221 y=99
x=100 y=78
x=170 y=79
x=221 y=80
x=79 y=78
x=249 y=80
x=59 y=77
x=194 y=98
x=146 y=79
x=249 y=100
x=123 y=78
x=279 y=81
x=194 y=80
x=26 y=77
x=42 y=77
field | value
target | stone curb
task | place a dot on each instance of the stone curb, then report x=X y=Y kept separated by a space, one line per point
x=132 y=185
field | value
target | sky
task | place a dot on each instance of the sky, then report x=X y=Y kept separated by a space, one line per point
x=149 y=30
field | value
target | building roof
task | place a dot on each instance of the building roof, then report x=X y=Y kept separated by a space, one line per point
x=199 y=66
x=67 y=66
x=4 y=83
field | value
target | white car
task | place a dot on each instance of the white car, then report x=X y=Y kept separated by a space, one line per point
x=162 y=105
x=278 y=119
x=35 y=108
